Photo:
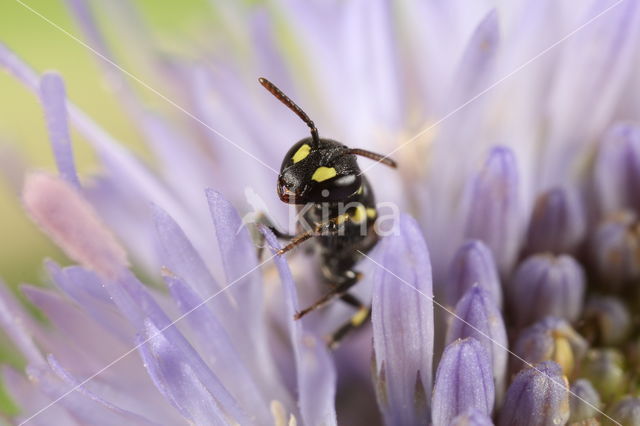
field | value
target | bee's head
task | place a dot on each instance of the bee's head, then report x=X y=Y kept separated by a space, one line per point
x=317 y=170
x=315 y=173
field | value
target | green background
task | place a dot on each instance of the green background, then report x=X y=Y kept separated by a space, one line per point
x=23 y=138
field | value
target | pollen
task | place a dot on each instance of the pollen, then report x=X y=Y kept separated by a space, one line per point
x=301 y=153
x=323 y=173
x=359 y=317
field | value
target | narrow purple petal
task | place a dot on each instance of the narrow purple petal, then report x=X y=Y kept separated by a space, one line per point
x=178 y=254
x=494 y=208
x=546 y=285
x=402 y=317
x=538 y=396
x=213 y=341
x=477 y=316
x=463 y=381
x=17 y=324
x=15 y=66
x=178 y=381
x=143 y=311
x=31 y=400
x=472 y=265
x=607 y=48
x=54 y=101
x=316 y=375
x=477 y=61
x=107 y=411
x=558 y=223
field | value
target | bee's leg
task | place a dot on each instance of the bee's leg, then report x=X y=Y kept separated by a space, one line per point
x=358 y=319
x=350 y=279
x=258 y=238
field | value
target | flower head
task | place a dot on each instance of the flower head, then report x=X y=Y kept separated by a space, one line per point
x=507 y=264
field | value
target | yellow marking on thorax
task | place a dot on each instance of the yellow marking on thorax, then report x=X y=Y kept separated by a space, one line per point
x=371 y=213
x=301 y=153
x=323 y=173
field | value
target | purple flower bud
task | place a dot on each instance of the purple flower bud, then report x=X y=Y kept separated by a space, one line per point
x=607 y=320
x=478 y=317
x=584 y=401
x=472 y=417
x=615 y=249
x=546 y=285
x=551 y=339
x=626 y=411
x=538 y=396
x=473 y=264
x=617 y=169
x=557 y=224
x=605 y=370
x=493 y=207
x=463 y=381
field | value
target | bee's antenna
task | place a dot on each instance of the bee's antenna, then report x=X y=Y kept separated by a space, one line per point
x=372 y=155
x=292 y=106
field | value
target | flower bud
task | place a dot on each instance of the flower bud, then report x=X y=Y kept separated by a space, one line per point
x=473 y=264
x=538 y=396
x=606 y=320
x=478 y=317
x=463 y=381
x=617 y=168
x=546 y=285
x=605 y=370
x=584 y=401
x=551 y=339
x=615 y=250
x=493 y=207
x=557 y=224
x=472 y=417
x=626 y=412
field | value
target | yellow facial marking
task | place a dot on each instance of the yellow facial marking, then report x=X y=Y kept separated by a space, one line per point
x=359 y=215
x=360 y=190
x=301 y=153
x=359 y=317
x=371 y=213
x=323 y=173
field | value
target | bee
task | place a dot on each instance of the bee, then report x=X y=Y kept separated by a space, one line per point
x=322 y=178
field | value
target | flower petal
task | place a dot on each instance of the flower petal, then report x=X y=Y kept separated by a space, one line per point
x=493 y=207
x=584 y=401
x=472 y=265
x=478 y=317
x=463 y=381
x=316 y=375
x=546 y=285
x=54 y=102
x=402 y=317
x=538 y=396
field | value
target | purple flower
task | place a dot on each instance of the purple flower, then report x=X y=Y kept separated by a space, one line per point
x=515 y=132
x=546 y=284
x=463 y=381
x=538 y=395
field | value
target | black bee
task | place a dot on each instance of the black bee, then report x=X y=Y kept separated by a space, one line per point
x=322 y=177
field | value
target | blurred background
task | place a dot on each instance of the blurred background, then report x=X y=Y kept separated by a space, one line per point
x=23 y=139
